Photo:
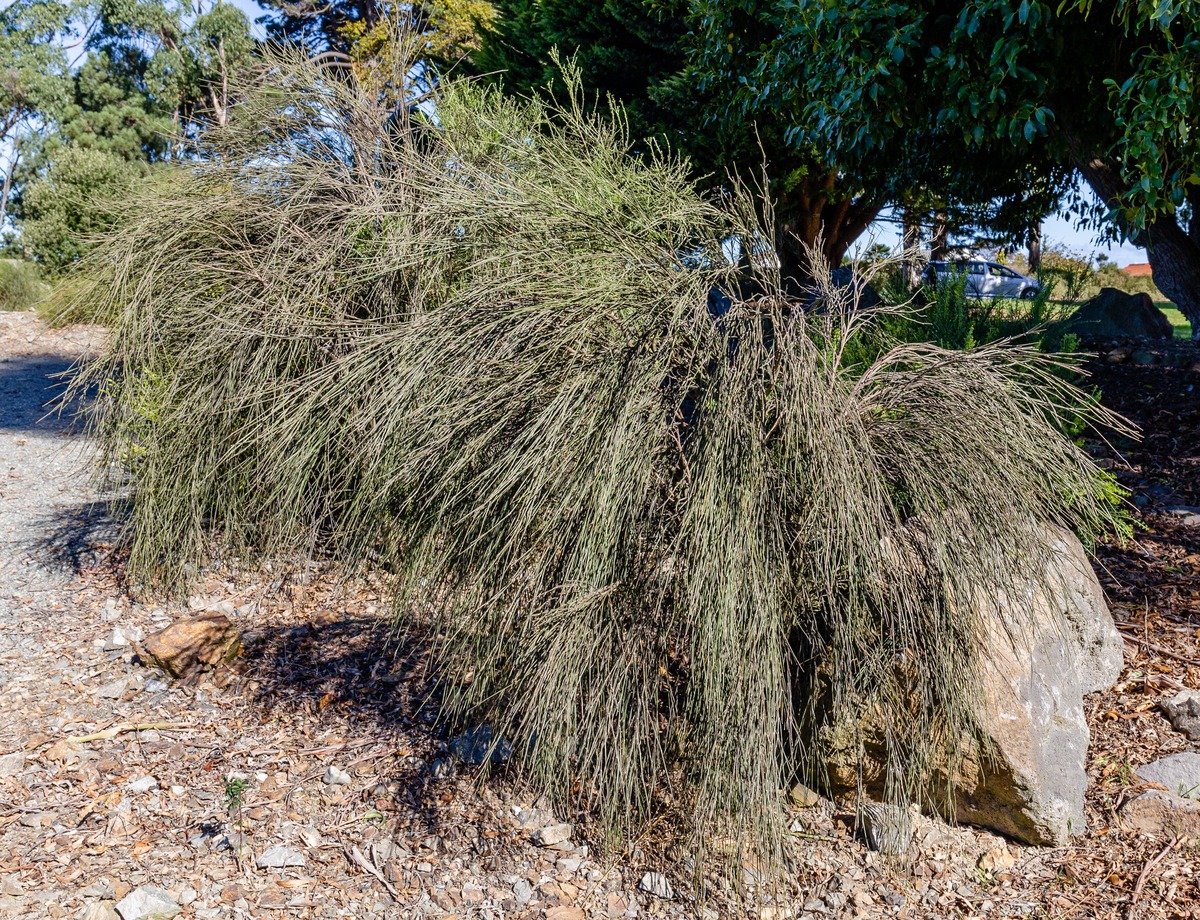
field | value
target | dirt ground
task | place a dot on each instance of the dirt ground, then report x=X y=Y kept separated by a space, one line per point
x=308 y=780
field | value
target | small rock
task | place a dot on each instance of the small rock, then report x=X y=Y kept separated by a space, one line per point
x=335 y=777
x=477 y=746
x=194 y=644
x=568 y=866
x=565 y=912
x=442 y=768
x=553 y=835
x=1179 y=773
x=12 y=764
x=656 y=884
x=887 y=829
x=1142 y=357
x=101 y=890
x=1161 y=814
x=156 y=685
x=522 y=891
x=114 y=689
x=147 y=903
x=804 y=797
x=142 y=784
x=279 y=857
x=997 y=860
x=311 y=836
x=122 y=637
x=1183 y=709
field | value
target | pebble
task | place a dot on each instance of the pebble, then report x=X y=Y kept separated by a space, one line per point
x=114 y=689
x=142 y=784
x=522 y=891
x=99 y=910
x=1179 y=773
x=477 y=746
x=655 y=883
x=279 y=857
x=553 y=835
x=12 y=764
x=311 y=836
x=803 y=797
x=335 y=777
x=148 y=903
x=1183 y=709
x=569 y=866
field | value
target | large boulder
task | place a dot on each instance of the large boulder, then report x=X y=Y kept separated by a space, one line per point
x=1050 y=639
x=1113 y=314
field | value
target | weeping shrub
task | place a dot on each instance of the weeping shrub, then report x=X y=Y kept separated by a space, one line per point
x=477 y=350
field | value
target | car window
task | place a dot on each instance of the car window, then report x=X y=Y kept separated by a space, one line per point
x=976 y=268
x=1003 y=272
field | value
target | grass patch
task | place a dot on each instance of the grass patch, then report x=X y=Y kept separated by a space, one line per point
x=21 y=285
x=1183 y=328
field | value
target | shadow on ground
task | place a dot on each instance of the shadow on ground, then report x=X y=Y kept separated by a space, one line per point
x=31 y=391
x=77 y=538
x=357 y=672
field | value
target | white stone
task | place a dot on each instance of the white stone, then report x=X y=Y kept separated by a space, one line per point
x=279 y=857
x=148 y=903
x=335 y=777
x=552 y=835
x=656 y=884
x=12 y=764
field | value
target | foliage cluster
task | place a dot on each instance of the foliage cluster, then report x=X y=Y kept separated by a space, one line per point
x=1009 y=83
x=21 y=287
x=152 y=73
x=647 y=540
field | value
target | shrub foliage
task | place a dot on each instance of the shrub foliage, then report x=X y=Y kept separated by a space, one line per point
x=476 y=349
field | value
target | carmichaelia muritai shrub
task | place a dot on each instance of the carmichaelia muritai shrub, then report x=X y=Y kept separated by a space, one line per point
x=469 y=342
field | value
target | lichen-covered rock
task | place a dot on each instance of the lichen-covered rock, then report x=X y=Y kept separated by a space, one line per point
x=191 y=645
x=1049 y=640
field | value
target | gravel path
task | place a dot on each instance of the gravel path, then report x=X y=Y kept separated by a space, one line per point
x=43 y=475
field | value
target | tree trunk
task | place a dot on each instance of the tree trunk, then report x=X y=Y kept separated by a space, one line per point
x=7 y=189
x=910 y=243
x=817 y=216
x=1175 y=263
x=939 y=249
x=1035 y=248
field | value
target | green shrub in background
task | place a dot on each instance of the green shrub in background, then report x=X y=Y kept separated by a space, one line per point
x=21 y=286
x=643 y=537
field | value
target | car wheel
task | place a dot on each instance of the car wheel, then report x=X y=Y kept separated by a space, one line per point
x=1028 y=293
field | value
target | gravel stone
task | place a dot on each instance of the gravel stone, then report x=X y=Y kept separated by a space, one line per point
x=148 y=903
x=655 y=883
x=279 y=857
x=335 y=777
x=553 y=835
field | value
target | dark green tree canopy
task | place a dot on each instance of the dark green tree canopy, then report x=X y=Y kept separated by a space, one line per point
x=640 y=55
x=1109 y=90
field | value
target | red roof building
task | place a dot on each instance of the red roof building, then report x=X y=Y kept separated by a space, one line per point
x=1138 y=270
